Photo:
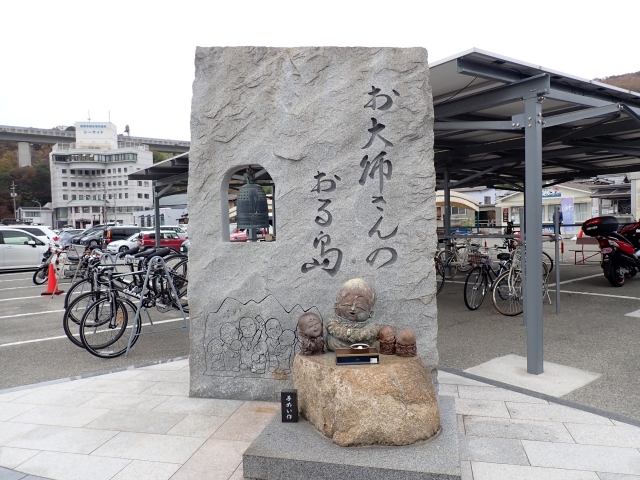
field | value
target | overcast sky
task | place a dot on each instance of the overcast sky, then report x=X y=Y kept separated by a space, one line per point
x=60 y=60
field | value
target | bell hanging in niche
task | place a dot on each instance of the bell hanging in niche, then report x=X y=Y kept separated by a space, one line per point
x=251 y=206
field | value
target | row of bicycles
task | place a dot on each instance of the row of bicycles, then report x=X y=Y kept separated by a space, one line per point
x=503 y=278
x=103 y=309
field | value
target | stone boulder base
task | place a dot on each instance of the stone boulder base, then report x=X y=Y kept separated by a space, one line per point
x=392 y=403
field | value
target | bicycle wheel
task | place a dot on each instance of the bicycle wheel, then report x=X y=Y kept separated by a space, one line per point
x=439 y=276
x=73 y=315
x=475 y=288
x=180 y=278
x=507 y=293
x=548 y=261
x=449 y=269
x=41 y=275
x=81 y=286
x=105 y=330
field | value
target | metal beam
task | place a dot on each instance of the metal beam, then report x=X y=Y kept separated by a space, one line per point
x=483 y=125
x=505 y=75
x=531 y=87
x=183 y=177
x=633 y=113
x=580 y=115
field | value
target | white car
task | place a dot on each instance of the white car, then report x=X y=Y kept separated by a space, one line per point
x=182 y=233
x=122 y=245
x=19 y=249
x=45 y=234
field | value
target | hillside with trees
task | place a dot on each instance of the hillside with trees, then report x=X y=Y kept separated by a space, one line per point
x=628 y=81
x=32 y=183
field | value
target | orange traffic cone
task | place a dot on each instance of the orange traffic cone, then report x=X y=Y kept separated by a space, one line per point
x=52 y=283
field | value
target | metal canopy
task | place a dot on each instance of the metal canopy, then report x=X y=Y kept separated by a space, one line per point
x=588 y=128
x=174 y=171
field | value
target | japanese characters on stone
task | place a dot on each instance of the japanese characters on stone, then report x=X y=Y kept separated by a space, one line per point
x=378 y=163
x=329 y=259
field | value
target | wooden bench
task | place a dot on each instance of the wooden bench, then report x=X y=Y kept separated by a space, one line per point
x=582 y=241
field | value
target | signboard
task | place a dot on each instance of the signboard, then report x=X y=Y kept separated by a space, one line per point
x=551 y=192
x=566 y=205
x=505 y=215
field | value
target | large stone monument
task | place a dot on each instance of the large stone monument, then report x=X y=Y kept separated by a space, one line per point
x=345 y=134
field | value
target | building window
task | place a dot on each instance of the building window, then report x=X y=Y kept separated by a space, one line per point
x=109 y=171
x=73 y=184
x=94 y=197
x=139 y=183
x=93 y=184
x=126 y=182
x=119 y=182
x=103 y=172
x=110 y=196
x=86 y=172
x=139 y=195
x=73 y=197
x=119 y=195
x=72 y=172
x=64 y=170
x=79 y=172
x=109 y=183
x=146 y=195
x=487 y=200
x=126 y=195
x=86 y=209
x=64 y=184
x=581 y=212
x=119 y=170
x=65 y=197
x=146 y=184
x=458 y=211
x=86 y=184
x=125 y=169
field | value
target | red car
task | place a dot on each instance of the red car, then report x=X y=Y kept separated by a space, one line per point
x=167 y=239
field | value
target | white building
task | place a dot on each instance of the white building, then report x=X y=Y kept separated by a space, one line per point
x=89 y=178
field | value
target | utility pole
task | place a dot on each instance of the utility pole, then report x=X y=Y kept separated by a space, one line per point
x=14 y=195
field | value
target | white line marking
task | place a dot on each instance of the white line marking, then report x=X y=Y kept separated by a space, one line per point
x=17 y=279
x=575 y=279
x=19 y=298
x=601 y=295
x=30 y=286
x=17 y=273
x=29 y=314
x=77 y=335
x=635 y=313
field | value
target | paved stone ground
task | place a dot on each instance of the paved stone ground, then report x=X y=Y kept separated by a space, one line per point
x=140 y=424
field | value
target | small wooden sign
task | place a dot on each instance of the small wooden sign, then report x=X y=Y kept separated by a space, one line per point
x=289 y=405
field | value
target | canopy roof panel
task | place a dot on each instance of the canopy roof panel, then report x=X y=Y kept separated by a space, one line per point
x=589 y=128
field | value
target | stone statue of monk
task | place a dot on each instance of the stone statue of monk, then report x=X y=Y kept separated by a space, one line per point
x=353 y=316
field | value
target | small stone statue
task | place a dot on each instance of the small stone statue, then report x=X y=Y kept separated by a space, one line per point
x=353 y=322
x=406 y=344
x=387 y=339
x=310 y=333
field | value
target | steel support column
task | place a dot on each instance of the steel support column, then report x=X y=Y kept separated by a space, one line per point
x=446 y=213
x=532 y=257
x=156 y=210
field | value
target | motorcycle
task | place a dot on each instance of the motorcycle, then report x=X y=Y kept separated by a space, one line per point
x=41 y=275
x=619 y=246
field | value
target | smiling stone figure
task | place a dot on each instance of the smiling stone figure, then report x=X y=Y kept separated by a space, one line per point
x=353 y=319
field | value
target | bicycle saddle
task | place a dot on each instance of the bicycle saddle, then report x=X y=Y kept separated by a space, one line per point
x=131 y=251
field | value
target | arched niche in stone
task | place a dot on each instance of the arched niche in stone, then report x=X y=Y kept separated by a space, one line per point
x=235 y=178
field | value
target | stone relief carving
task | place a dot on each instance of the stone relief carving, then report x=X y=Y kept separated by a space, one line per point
x=256 y=339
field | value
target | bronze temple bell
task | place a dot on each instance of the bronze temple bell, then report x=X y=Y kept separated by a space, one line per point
x=251 y=206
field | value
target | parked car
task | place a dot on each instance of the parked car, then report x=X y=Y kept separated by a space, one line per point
x=121 y=232
x=167 y=239
x=240 y=236
x=182 y=233
x=122 y=245
x=184 y=248
x=20 y=250
x=94 y=239
x=45 y=234
x=77 y=239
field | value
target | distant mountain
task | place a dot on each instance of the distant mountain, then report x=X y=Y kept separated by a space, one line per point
x=629 y=81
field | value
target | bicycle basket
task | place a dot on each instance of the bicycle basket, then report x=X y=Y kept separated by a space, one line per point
x=478 y=258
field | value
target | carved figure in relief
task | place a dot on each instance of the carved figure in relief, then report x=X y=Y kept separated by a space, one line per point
x=387 y=339
x=284 y=351
x=274 y=330
x=353 y=316
x=249 y=337
x=215 y=354
x=259 y=358
x=310 y=334
x=406 y=343
x=231 y=347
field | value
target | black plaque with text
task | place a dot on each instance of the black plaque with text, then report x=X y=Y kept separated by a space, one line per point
x=289 y=404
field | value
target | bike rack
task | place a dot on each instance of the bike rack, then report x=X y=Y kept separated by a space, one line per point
x=155 y=263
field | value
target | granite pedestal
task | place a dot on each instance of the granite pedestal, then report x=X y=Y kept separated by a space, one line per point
x=292 y=451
